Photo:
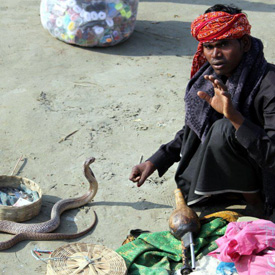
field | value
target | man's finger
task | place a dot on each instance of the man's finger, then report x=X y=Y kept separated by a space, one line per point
x=135 y=179
x=220 y=85
x=140 y=182
x=210 y=78
x=143 y=177
x=135 y=176
x=204 y=96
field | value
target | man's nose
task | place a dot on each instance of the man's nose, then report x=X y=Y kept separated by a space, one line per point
x=216 y=52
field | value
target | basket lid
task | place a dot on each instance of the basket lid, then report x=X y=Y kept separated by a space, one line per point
x=88 y=259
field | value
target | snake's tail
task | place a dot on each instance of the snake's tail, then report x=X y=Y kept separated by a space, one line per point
x=45 y=236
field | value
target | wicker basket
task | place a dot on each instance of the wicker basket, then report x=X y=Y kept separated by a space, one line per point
x=87 y=259
x=20 y=213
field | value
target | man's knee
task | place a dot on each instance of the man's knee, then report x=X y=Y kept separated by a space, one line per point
x=223 y=127
x=222 y=132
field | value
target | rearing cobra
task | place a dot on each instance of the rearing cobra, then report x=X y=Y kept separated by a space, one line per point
x=40 y=231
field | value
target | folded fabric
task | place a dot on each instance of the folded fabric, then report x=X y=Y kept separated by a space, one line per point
x=250 y=245
x=160 y=252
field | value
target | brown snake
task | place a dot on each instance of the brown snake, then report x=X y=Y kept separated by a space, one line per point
x=39 y=231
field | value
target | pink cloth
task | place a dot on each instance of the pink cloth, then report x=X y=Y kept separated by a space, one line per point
x=249 y=245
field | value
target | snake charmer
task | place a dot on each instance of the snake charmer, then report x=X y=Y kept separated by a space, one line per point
x=227 y=143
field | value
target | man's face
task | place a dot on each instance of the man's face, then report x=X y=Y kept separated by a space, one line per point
x=224 y=55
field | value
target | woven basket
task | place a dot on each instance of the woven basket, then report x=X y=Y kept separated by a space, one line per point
x=87 y=259
x=20 y=213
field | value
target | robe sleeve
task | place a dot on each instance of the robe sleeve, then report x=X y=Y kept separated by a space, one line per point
x=260 y=141
x=168 y=153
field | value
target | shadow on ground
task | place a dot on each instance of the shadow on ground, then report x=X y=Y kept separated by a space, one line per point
x=166 y=38
x=243 y=4
x=140 y=205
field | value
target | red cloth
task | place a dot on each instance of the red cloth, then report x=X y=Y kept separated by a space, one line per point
x=213 y=26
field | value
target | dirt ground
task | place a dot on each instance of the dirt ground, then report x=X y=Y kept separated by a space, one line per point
x=124 y=101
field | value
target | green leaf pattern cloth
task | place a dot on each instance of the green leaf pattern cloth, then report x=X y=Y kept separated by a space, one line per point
x=159 y=253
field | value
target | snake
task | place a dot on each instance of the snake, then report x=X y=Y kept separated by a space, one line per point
x=41 y=231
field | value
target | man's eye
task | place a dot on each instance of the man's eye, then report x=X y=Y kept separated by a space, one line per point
x=224 y=44
x=208 y=47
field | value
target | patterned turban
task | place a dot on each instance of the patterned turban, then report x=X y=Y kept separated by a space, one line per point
x=213 y=26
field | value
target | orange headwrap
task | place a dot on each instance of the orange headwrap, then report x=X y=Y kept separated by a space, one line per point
x=213 y=26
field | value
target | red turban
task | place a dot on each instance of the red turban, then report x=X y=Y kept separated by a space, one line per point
x=213 y=26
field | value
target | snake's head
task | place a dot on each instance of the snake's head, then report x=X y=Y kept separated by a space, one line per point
x=87 y=164
x=89 y=161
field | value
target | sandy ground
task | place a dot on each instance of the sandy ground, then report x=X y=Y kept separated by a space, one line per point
x=125 y=101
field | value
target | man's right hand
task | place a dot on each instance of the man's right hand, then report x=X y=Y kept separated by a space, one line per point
x=141 y=172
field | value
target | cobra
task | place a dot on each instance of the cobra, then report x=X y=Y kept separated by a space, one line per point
x=40 y=231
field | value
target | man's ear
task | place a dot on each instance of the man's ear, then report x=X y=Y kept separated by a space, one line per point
x=246 y=42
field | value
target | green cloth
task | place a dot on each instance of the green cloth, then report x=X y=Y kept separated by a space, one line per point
x=160 y=253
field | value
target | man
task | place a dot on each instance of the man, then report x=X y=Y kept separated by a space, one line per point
x=228 y=141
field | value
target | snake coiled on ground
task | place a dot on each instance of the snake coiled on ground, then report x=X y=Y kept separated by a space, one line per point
x=40 y=231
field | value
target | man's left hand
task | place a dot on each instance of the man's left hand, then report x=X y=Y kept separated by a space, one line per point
x=221 y=101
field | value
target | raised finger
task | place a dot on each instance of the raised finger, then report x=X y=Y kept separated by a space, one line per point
x=210 y=78
x=204 y=96
x=220 y=85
